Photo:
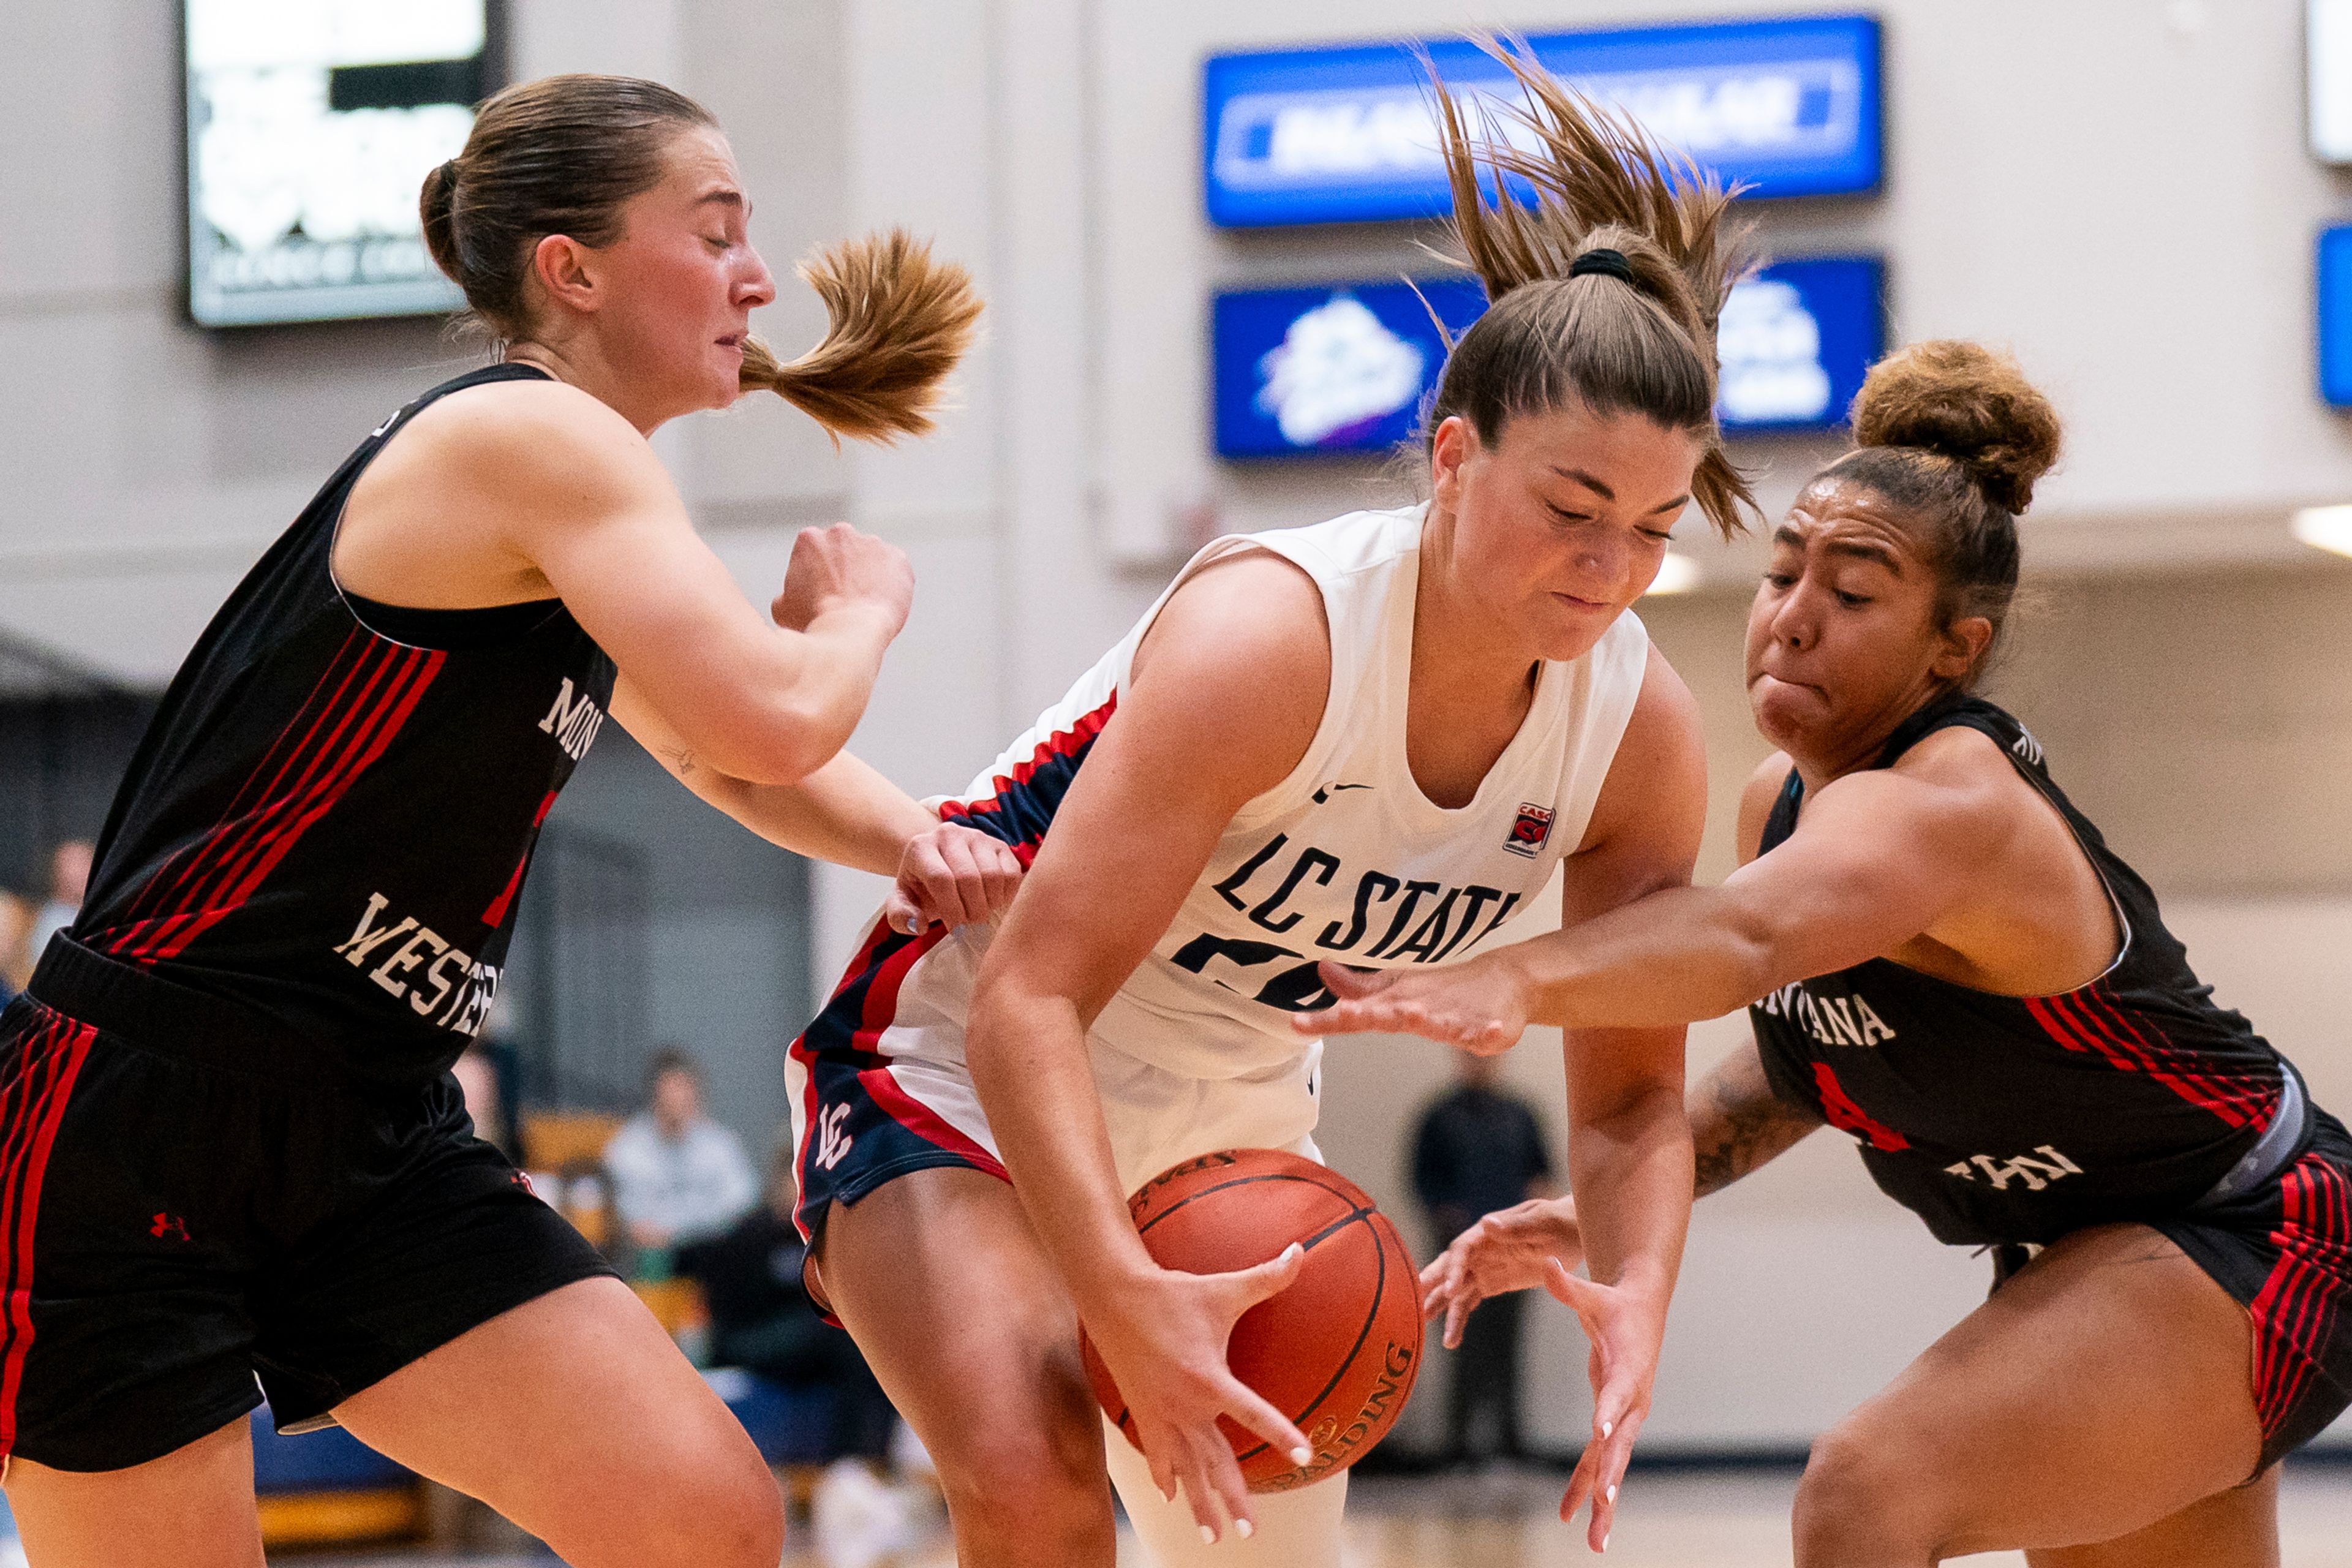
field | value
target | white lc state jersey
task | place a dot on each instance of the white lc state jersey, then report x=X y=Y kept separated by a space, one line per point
x=1344 y=860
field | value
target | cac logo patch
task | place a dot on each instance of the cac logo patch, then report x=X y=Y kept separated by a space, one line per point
x=1528 y=833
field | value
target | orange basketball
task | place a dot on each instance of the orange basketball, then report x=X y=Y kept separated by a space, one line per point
x=1336 y=1352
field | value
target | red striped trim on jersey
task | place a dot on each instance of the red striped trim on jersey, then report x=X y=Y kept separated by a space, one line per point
x=2238 y=1100
x=495 y=916
x=2090 y=1021
x=184 y=864
x=305 y=773
x=31 y=1106
x=2295 y=1312
x=1023 y=806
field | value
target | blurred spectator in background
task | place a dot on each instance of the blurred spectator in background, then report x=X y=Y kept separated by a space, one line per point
x=15 y=945
x=68 y=881
x=761 y=1318
x=677 y=1176
x=1479 y=1148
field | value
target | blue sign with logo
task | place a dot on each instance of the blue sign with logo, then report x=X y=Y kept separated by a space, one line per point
x=1348 y=135
x=1348 y=367
x=2335 y=316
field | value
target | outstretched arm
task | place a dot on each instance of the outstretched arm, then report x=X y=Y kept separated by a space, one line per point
x=1629 y=1151
x=848 y=813
x=1877 y=858
x=1736 y=1124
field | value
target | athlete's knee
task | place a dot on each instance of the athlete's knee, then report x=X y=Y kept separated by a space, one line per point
x=1857 y=1503
x=721 y=1511
x=1042 y=1482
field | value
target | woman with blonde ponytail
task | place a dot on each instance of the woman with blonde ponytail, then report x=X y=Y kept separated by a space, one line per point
x=1372 y=740
x=228 y=1084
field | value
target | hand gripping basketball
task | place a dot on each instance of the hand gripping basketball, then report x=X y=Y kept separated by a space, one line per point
x=1336 y=1350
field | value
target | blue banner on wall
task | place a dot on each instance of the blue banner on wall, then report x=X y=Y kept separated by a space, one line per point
x=1346 y=367
x=1347 y=135
x=2335 y=316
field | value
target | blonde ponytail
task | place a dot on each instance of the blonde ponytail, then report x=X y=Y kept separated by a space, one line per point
x=897 y=322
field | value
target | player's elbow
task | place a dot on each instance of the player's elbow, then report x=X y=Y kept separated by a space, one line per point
x=777 y=741
x=1755 y=947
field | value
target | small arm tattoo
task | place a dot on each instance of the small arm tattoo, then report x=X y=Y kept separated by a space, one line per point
x=681 y=762
x=1738 y=1122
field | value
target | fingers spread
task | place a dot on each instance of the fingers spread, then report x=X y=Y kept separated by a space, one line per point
x=1581 y=1294
x=1457 y=1313
x=1609 y=1459
x=1272 y=1276
x=1344 y=981
x=1213 y=1484
x=1246 y=1406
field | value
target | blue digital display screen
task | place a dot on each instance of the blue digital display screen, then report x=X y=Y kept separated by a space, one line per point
x=1347 y=135
x=1348 y=367
x=2335 y=316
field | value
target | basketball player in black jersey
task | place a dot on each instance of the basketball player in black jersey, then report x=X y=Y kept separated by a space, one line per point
x=229 y=1141
x=1942 y=958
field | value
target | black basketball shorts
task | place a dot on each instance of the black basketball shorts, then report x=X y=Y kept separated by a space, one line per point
x=176 y=1221
x=2285 y=1250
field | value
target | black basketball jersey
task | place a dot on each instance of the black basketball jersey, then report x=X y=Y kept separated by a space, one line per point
x=2019 y=1118
x=328 y=819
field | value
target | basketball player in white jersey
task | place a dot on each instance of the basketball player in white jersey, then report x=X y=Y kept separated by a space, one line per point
x=1369 y=741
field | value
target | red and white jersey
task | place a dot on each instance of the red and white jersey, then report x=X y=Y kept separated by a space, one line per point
x=1344 y=860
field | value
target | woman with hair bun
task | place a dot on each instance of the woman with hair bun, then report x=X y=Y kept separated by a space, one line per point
x=230 y=1144
x=1371 y=739
x=1941 y=957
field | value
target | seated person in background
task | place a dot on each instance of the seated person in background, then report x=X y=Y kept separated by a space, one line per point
x=15 y=945
x=761 y=1318
x=677 y=1174
x=70 y=864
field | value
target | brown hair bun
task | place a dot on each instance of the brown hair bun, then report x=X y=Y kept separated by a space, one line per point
x=1964 y=402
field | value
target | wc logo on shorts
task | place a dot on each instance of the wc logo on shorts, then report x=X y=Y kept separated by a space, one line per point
x=832 y=1143
x=1528 y=833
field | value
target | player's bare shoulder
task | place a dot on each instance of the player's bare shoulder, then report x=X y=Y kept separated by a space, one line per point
x=1253 y=617
x=1237 y=666
x=528 y=447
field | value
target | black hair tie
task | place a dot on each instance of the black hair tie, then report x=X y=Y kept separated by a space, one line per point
x=1604 y=259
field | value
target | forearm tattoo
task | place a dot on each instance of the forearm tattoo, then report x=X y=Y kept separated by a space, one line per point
x=1738 y=1123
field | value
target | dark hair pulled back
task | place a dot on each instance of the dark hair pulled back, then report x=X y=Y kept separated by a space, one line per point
x=1953 y=435
x=563 y=154
x=1643 y=345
